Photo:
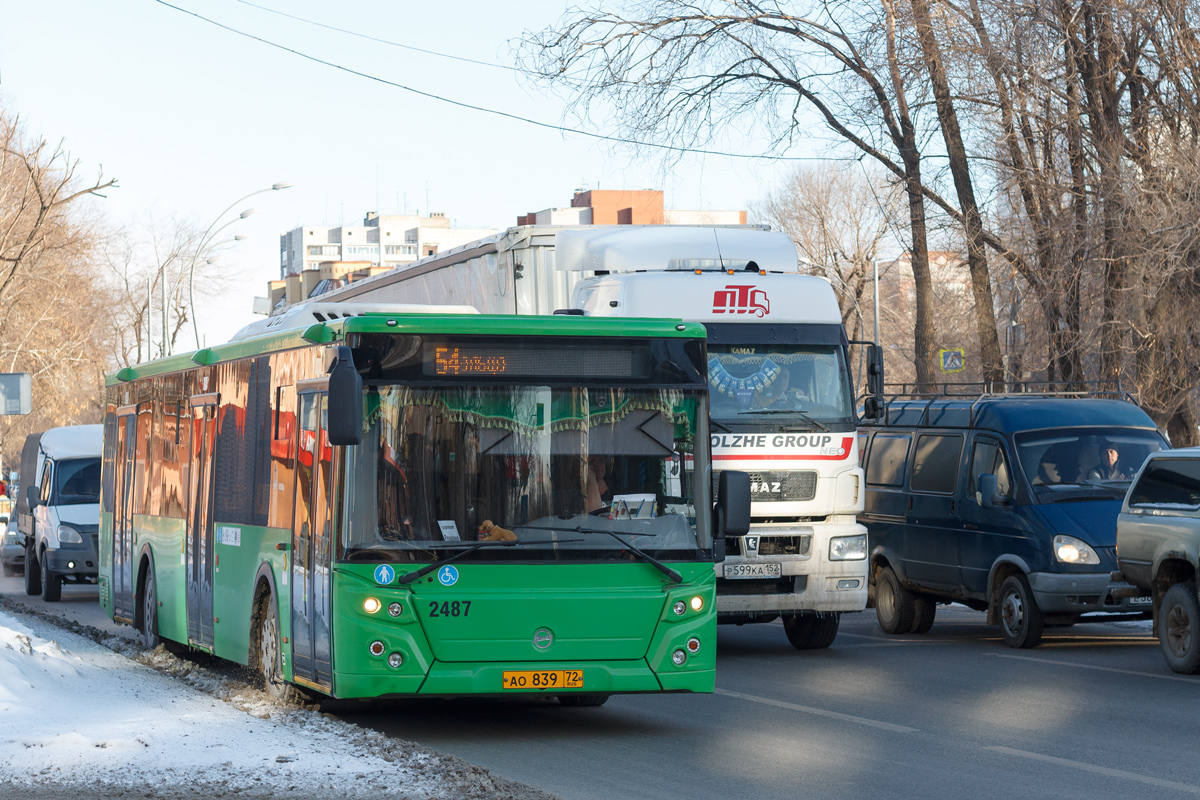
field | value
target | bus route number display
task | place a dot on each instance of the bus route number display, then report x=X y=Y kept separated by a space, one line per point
x=449 y=360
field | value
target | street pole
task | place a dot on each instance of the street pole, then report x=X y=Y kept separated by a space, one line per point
x=206 y=239
x=875 y=271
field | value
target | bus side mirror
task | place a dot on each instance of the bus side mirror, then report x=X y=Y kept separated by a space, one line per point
x=874 y=369
x=732 y=514
x=345 y=400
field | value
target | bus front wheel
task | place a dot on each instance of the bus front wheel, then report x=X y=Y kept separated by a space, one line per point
x=270 y=662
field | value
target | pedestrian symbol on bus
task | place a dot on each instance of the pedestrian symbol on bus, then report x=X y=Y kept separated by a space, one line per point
x=447 y=575
x=384 y=574
x=952 y=360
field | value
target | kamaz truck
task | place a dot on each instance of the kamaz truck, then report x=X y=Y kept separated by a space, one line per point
x=782 y=401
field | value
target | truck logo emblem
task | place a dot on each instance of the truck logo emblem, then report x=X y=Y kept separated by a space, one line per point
x=543 y=638
x=747 y=299
x=448 y=575
x=751 y=543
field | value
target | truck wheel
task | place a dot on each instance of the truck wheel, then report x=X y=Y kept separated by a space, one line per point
x=924 y=610
x=51 y=583
x=1021 y=621
x=582 y=700
x=811 y=631
x=33 y=576
x=149 y=611
x=893 y=603
x=1178 y=635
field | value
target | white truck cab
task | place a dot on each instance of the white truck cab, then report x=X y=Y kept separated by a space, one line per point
x=59 y=508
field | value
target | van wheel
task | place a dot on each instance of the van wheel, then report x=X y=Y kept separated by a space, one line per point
x=582 y=700
x=1178 y=635
x=811 y=631
x=150 y=638
x=33 y=577
x=51 y=583
x=1021 y=621
x=893 y=603
x=924 y=610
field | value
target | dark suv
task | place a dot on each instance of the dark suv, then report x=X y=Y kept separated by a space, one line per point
x=1004 y=503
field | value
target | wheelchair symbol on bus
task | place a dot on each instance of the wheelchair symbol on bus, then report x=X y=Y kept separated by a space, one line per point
x=384 y=574
x=447 y=576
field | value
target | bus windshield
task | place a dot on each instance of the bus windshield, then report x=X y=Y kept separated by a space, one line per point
x=551 y=467
x=806 y=385
x=1077 y=457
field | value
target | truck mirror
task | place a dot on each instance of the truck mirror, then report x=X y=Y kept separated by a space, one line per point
x=732 y=517
x=33 y=496
x=874 y=369
x=345 y=400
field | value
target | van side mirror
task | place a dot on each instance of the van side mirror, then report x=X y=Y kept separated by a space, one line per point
x=345 y=400
x=988 y=494
x=872 y=407
x=732 y=514
x=874 y=369
x=33 y=496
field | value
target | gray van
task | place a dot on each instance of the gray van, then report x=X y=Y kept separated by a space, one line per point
x=1004 y=503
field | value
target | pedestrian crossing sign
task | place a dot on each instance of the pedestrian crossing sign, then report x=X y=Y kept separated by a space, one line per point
x=952 y=360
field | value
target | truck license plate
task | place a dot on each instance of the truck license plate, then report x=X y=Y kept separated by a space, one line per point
x=772 y=570
x=1141 y=601
x=543 y=679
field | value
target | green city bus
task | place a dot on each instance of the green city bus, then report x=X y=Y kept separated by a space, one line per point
x=387 y=503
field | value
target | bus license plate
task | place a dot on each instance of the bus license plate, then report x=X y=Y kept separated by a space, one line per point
x=754 y=570
x=544 y=679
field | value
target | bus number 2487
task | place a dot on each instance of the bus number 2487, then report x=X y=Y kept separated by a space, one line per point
x=450 y=608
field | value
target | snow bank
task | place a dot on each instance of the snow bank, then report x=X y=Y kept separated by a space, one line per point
x=76 y=715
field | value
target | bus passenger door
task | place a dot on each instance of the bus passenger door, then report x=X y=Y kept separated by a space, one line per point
x=198 y=549
x=311 y=547
x=122 y=569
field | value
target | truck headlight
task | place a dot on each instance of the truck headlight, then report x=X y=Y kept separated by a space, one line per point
x=68 y=535
x=848 y=548
x=1070 y=550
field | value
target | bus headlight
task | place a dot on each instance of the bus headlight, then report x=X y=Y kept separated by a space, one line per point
x=679 y=608
x=68 y=535
x=395 y=660
x=1070 y=550
x=371 y=605
x=697 y=603
x=848 y=548
x=679 y=657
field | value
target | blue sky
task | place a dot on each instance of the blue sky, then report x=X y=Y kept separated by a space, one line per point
x=190 y=117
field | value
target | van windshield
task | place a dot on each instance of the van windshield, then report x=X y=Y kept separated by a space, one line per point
x=77 y=481
x=1089 y=457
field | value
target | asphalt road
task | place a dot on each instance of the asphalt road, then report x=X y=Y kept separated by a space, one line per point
x=1092 y=712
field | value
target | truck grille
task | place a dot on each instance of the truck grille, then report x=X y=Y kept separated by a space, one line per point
x=772 y=545
x=779 y=487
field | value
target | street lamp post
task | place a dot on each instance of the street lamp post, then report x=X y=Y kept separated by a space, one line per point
x=206 y=239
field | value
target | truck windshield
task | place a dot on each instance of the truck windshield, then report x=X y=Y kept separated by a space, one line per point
x=804 y=385
x=76 y=481
x=1076 y=457
x=440 y=468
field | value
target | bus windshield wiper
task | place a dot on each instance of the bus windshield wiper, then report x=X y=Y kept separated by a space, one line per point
x=642 y=554
x=799 y=414
x=409 y=577
x=720 y=425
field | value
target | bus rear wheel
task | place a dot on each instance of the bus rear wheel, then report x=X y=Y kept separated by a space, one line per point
x=149 y=636
x=268 y=655
x=582 y=700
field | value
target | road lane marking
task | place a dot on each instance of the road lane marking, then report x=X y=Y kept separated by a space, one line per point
x=1193 y=681
x=820 y=712
x=1112 y=773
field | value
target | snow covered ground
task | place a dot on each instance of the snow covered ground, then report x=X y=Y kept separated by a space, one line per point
x=86 y=714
